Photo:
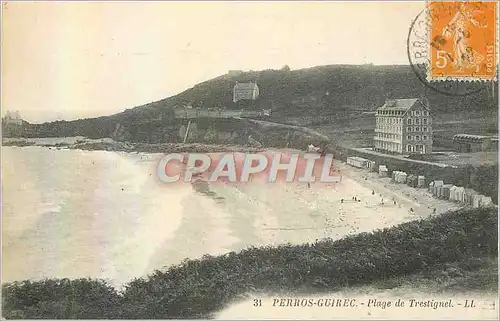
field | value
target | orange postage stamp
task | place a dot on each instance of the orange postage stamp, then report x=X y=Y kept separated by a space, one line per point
x=463 y=40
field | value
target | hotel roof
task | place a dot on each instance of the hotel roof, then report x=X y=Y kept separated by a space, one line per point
x=398 y=104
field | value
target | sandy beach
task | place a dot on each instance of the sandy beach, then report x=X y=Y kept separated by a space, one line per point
x=113 y=197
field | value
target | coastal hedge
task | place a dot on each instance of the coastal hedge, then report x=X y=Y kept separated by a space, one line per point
x=197 y=288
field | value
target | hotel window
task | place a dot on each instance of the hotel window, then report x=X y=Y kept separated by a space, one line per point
x=417 y=129
x=409 y=121
x=425 y=137
x=417 y=137
x=424 y=129
x=408 y=137
x=408 y=148
x=425 y=121
x=417 y=121
x=417 y=113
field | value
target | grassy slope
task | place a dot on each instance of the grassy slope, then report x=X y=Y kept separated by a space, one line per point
x=290 y=94
x=458 y=247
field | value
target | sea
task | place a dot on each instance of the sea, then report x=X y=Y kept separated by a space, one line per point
x=77 y=214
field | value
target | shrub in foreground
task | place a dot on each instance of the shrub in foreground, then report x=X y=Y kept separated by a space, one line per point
x=197 y=288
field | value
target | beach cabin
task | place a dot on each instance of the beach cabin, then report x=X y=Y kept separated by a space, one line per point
x=394 y=174
x=371 y=166
x=312 y=149
x=453 y=194
x=357 y=162
x=457 y=193
x=401 y=177
x=469 y=196
x=421 y=181
x=383 y=171
x=485 y=201
x=476 y=200
x=446 y=191
x=411 y=180
x=435 y=187
x=460 y=194
x=438 y=191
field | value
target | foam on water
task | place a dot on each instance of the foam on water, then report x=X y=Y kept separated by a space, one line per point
x=104 y=214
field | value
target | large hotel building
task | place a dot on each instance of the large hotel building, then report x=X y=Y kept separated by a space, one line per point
x=403 y=126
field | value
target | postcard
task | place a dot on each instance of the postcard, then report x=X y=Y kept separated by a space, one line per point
x=250 y=160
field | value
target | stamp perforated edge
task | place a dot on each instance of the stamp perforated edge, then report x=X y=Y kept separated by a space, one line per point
x=466 y=79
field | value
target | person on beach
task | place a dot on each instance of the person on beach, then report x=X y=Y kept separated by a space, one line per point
x=411 y=209
x=308 y=185
x=342 y=201
x=373 y=192
x=434 y=211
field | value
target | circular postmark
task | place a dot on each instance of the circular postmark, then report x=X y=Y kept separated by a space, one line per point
x=418 y=43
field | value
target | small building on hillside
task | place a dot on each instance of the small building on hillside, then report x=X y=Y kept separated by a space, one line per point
x=245 y=91
x=403 y=126
x=13 y=118
x=465 y=143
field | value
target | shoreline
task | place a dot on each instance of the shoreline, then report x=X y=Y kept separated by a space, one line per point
x=418 y=199
x=108 y=144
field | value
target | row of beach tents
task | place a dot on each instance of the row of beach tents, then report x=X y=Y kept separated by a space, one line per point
x=459 y=194
x=437 y=188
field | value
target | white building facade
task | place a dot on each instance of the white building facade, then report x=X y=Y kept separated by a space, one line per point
x=403 y=126
x=13 y=118
x=245 y=90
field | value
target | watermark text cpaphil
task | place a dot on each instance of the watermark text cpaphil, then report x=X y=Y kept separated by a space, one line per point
x=267 y=167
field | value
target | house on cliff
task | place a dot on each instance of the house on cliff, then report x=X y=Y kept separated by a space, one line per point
x=245 y=91
x=13 y=118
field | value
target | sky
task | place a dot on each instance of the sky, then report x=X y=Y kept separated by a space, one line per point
x=69 y=60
